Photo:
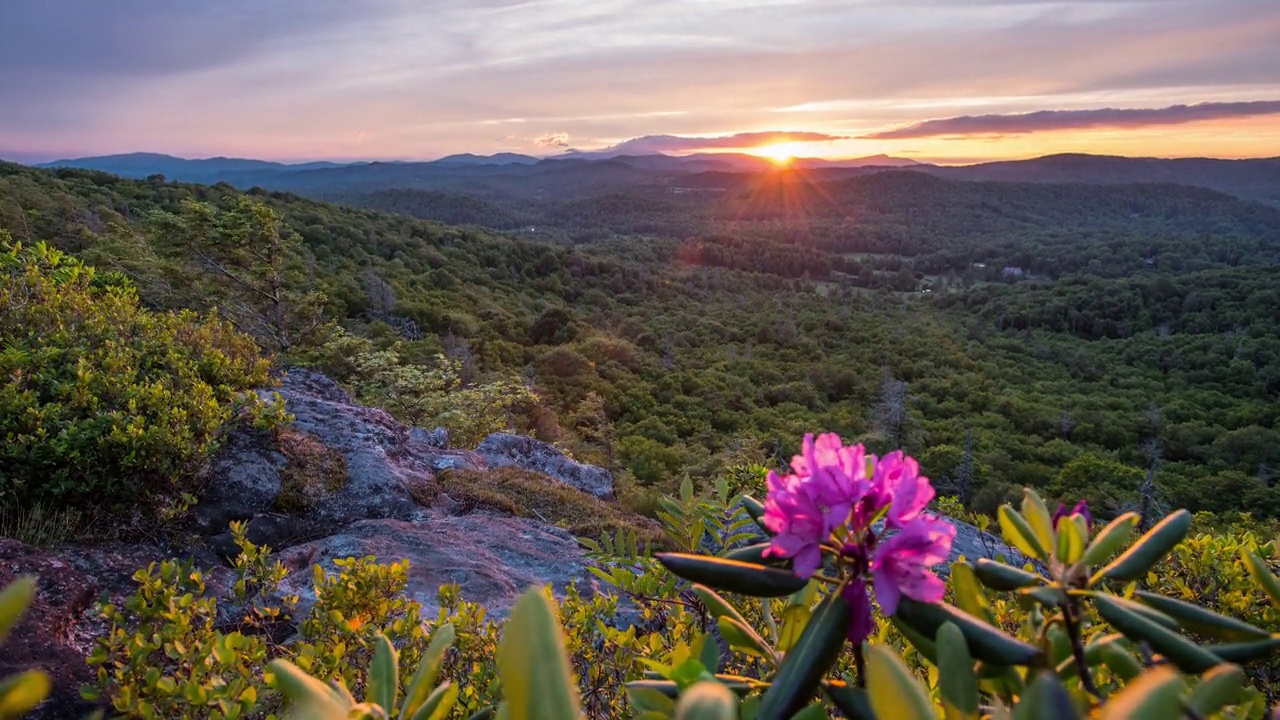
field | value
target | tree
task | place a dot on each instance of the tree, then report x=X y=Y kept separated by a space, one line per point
x=243 y=261
x=889 y=416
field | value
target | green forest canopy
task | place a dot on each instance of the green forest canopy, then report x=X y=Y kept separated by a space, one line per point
x=1076 y=338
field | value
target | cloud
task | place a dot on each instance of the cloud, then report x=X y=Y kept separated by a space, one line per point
x=556 y=140
x=1043 y=120
x=650 y=144
x=298 y=80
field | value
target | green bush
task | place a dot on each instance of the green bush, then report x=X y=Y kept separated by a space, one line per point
x=105 y=402
x=424 y=395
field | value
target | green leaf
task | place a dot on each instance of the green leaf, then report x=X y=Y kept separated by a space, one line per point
x=1038 y=518
x=813 y=655
x=732 y=576
x=850 y=700
x=894 y=692
x=967 y=592
x=986 y=642
x=1110 y=539
x=1246 y=651
x=922 y=644
x=717 y=605
x=1145 y=611
x=753 y=554
x=438 y=703
x=1156 y=695
x=1120 y=661
x=741 y=636
x=956 y=679
x=794 y=619
x=310 y=697
x=1217 y=688
x=1201 y=620
x=707 y=701
x=21 y=693
x=646 y=698
x=1046 y=699
x=1071 y=539
x=707 y=651
x=1256 y=565
x=999 y=576
x=14 y=600
x=1019 y=534
x=755 y=509
x=428 y=669
x=1150 y=548
x=384 y=674
x=533 y=665
x=1182 y=652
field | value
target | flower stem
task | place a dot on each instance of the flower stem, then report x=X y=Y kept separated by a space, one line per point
x=859 y=664
x=1071 y=619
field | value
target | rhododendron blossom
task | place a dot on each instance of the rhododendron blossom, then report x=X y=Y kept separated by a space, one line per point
x=1081 y=509
x=835 y=500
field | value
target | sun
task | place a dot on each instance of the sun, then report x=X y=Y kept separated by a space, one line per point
x=779 y=153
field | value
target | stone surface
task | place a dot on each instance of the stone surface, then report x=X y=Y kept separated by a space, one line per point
x=500 y=449
x=243 y=478
x=438 y=438
x=385 y=460
x=493 y=558
x=973 y=543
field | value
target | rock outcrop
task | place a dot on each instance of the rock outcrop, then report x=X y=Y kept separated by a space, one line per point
x=492 y=558
x=385 y=462
x=501 y=449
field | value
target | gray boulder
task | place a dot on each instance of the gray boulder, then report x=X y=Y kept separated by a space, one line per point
x=244 y=478
x=502 y=449
x=438 y=438
x=386 y=462
x=493 y=558
x=972 y=544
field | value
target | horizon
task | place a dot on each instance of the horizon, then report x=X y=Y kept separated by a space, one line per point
x=948 y=82
x=789 y=160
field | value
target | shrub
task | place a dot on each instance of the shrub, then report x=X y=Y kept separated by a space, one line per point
x=105 y=402
x=425 y=395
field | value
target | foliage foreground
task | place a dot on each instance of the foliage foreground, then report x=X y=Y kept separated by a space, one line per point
x=1091 y=626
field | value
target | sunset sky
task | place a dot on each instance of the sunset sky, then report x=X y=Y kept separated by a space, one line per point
x=940 y=80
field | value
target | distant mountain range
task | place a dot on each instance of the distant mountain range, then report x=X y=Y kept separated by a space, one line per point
x=141 y=165
x=578 y=174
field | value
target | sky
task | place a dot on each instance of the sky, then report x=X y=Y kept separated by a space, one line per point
x=949 y=81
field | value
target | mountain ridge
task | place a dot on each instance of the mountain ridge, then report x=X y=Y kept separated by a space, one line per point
x=572 y=174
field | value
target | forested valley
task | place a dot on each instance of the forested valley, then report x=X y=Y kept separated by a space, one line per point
x=1105 y=342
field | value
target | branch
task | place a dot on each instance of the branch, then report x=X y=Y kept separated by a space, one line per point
x=1069 y=619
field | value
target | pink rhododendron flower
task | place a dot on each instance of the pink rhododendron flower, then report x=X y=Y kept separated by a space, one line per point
x=901 y=564
x=1081 y=508
x=799 y=526
x=910 y=491
x=835 y=474
x=841 y=489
